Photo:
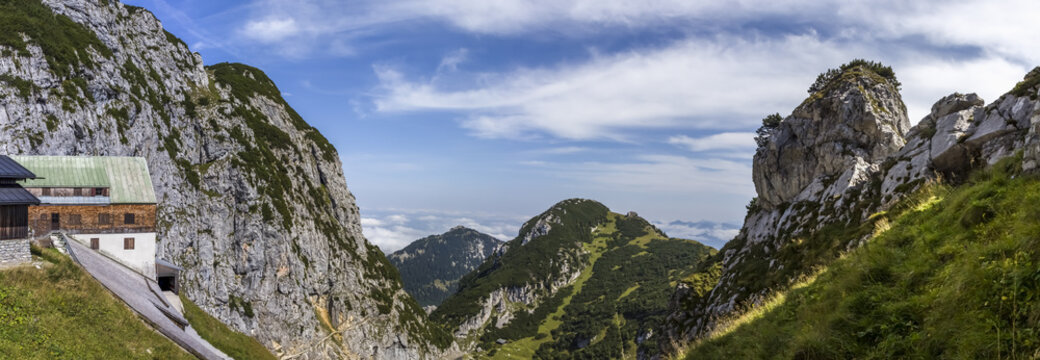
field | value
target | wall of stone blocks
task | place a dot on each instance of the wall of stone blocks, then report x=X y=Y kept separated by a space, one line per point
x=13 y=252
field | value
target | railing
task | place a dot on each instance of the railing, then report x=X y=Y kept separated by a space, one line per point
x=111 y=230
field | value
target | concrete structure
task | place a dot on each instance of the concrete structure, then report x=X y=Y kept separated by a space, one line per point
x=142 y=294
x=14 y=209
x=105 y=203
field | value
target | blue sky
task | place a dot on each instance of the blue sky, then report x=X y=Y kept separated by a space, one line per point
x=486 y=112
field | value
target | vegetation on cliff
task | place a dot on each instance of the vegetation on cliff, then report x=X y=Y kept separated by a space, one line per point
x=873 y=68
x=952 y=273
x=432 y=266
x=537 y=263
x=235 y=344
x=64 y=43
x=623 y=271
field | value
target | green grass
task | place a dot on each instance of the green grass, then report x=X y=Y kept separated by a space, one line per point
x=60 y=312
x=1028 y=84
x=235 y=344
x=956 y=275
x=24 y=87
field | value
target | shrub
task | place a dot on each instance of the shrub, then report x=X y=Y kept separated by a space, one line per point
x=772 y=120
x=877 y=68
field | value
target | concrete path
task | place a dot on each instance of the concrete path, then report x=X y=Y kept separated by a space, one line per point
x=143 y=296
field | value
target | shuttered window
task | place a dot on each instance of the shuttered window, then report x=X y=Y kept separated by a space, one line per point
x=128 y=243
x=104 y=219
x=75 y=219
x=95 y=243
x=45 y=191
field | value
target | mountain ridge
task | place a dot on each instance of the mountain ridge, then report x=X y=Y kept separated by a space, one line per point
x=542 y=294
x=831 y=195
x=253 y=202
x=432 y=266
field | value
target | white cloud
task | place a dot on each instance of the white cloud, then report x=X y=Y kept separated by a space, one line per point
x=997 y=27
x=720 y=141
x=397 y=219
x=726 y=82
x=366 y=221
x=677 y=175
x=702 y=81
x=451 y=61
x=562 y=150
x=507 y=17
x=926 y=81
x=709 y=233
x=392 y=238
x=394 y=229
x=271 y=30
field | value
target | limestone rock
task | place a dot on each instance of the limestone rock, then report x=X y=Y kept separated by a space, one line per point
x=252 y=200
x=838 y=160
x=862 y=118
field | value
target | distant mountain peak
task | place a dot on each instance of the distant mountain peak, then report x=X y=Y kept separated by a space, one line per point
x=430 y=267
x=581 y=253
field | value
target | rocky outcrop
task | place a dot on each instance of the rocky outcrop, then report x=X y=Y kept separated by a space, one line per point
x=432 y=266
x=829 y=170
x=252 y=200
x=859 y=119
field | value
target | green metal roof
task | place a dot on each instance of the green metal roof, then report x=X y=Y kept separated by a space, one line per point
x=131 y=183
x=127 y=178
x=64 y=171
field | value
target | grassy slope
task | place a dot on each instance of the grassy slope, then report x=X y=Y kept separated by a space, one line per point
x=232 y=343
x=957 y=275
x=619 y=269
x=60 y=312
x=526 y=347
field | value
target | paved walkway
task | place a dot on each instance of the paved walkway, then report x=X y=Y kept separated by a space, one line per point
x=144 y=297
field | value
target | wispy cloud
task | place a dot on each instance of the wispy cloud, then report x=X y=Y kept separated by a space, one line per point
x=271 y=30
x=451 y=61
x=720 y=141
x=693 y=84
x=939 y=22
x=678 y=175
x=718 y=82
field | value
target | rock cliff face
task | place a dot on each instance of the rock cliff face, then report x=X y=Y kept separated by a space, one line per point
x=432 y=266
x=252 y=200
x=859 y=119
x=826 y=174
